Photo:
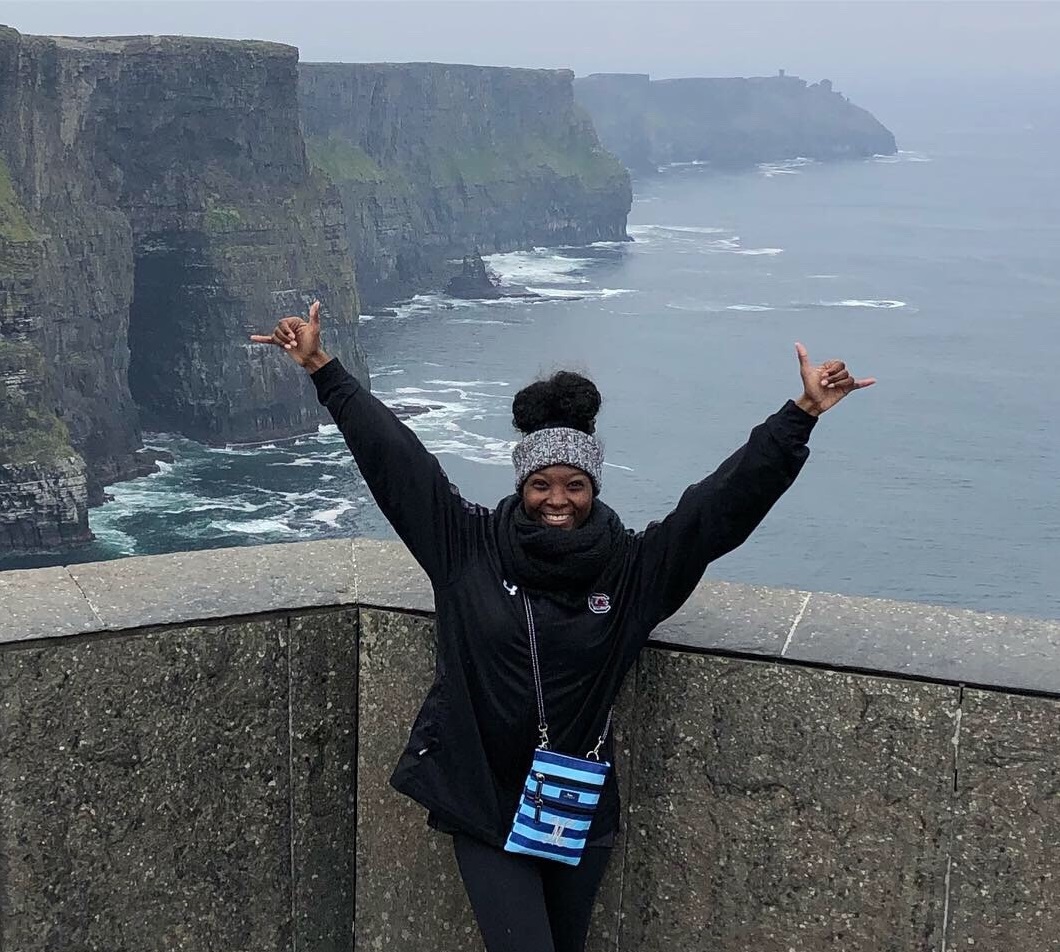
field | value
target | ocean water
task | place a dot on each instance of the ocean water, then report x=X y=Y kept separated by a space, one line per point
x=936 y=271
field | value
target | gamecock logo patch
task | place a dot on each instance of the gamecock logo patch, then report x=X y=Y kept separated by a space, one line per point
x=599 y=604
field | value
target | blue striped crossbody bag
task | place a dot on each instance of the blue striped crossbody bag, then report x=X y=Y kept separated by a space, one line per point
x=561 y=791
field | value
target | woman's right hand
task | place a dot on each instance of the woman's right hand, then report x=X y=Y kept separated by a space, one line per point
x=299 y=338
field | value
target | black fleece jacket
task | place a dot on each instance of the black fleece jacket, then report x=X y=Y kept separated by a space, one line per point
x=472 y=742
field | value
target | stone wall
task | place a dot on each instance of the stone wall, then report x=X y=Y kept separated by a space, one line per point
x=194 y=751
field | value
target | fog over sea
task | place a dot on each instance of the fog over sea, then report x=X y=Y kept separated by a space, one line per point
x=936 y=270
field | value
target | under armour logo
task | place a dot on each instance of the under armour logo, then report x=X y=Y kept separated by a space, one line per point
x=510 y=589
x=599 y=603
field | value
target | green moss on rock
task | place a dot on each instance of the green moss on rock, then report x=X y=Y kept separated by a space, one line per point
x=14 y=225
x=220 y=218
x=343 y=161
x=28 y=433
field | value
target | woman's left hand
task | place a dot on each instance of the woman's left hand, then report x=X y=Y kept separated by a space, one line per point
x=824 y=385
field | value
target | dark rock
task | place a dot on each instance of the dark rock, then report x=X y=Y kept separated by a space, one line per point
x=44 y=506
x=151 y=456
x=404 y=411
x=475 y=282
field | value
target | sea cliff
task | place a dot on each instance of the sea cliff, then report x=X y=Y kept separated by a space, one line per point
x=436 y=161
x=729 y=123
x=162 y=197
x=156 y=206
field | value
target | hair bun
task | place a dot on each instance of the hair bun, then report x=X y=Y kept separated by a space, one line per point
x=564 y=399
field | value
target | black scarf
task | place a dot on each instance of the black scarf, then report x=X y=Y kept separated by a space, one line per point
x=563 y=562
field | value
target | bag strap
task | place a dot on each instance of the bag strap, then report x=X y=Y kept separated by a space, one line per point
x=542 y=723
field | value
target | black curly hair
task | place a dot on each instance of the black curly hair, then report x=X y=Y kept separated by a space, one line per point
x=564 y=399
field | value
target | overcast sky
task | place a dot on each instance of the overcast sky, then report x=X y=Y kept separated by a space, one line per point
x=849 y=42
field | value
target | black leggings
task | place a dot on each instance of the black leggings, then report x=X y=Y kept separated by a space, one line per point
x=524 y=904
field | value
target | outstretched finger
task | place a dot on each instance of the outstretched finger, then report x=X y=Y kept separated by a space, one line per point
x=314 y=313
x=262 y=339
x=804 y=357
x=862 y=384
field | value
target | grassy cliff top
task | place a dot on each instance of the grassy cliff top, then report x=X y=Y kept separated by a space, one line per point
x=169 y=44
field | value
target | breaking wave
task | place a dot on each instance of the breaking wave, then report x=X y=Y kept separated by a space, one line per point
x=784 y=167
x=695 y=239
x=853 y=302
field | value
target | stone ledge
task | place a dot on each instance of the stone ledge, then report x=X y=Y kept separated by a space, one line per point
x=866 y=634
x=929 y=641
x=171 y=589
x=36 y=603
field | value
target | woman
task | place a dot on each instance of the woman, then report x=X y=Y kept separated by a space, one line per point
x=593 y=592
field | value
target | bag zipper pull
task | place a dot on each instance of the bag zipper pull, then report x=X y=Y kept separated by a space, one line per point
x=539 y=801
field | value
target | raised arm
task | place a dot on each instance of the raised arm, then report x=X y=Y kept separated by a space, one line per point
x=717 y=514
x=406 y=481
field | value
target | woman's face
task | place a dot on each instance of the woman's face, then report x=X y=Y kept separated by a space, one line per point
x=559 y=496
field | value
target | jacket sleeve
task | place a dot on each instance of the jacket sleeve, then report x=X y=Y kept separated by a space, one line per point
x=717 y=514
x=407 y=482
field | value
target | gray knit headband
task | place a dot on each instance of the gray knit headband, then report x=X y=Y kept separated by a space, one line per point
x=554 y=446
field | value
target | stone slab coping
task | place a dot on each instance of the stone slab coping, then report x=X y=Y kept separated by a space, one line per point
x=866 y=634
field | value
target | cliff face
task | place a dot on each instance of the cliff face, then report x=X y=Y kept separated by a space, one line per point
x=201 y=142
x=156 y=206
x=433 y=161
x=727 y=122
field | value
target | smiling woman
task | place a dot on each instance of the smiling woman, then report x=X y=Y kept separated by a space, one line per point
x=512 y=750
